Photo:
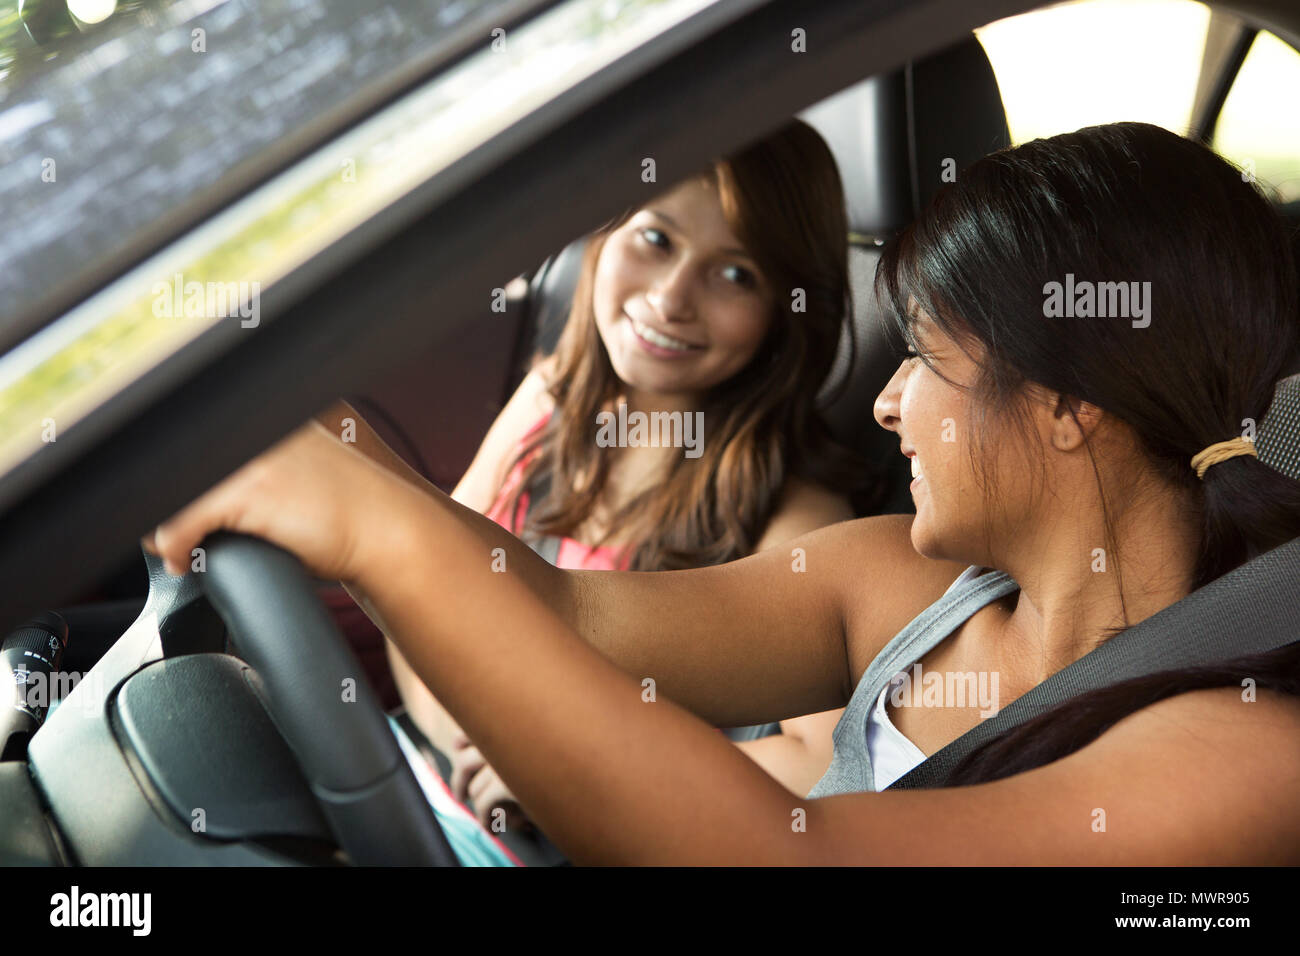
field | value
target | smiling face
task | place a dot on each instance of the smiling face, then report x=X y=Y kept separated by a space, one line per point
x=931 y=417
x=679 y=304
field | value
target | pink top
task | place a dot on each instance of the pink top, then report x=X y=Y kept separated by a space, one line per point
x=572 y=554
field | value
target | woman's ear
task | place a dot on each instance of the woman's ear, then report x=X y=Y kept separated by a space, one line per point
x=1073 y=421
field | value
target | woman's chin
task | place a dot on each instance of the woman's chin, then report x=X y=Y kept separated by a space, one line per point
x=648 y=382
x=925 y=541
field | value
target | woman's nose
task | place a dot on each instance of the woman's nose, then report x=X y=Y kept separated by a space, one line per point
x=671 y=295
x=886 y=407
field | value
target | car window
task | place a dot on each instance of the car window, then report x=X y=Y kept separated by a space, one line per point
x=1251 y=132
x=1098 y=61
x=107 y=130
x=53 y=379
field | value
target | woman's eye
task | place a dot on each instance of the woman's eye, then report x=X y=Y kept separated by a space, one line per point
x=654 y=237
x=742 y=277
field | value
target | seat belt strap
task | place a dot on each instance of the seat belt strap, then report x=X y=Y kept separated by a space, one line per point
x=546 y=545
x=1250 y=610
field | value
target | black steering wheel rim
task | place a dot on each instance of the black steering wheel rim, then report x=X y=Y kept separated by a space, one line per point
x=320 y=700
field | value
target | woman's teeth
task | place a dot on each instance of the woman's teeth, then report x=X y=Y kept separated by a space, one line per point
x=659 y=339
x=916 y=467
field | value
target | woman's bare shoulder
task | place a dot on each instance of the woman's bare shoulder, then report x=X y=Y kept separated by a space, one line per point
x=881 y=580
x=487 y=472
x=804 y=506
x=533 y=396
x=545 y=368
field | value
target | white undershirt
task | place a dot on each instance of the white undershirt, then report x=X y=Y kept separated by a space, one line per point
x=892 y=754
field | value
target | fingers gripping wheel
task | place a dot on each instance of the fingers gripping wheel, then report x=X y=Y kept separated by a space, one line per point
x=322 y=703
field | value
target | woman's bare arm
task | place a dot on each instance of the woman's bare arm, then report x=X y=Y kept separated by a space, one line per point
x=799 y=755
x=746 y=615
x=647 y=783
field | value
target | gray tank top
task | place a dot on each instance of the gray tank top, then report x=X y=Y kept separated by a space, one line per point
x=850 y=769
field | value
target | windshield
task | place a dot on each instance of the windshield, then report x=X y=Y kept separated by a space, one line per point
x=138 y=165
x=104 y=133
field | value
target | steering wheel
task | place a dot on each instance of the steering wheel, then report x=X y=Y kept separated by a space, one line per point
x=319 y=699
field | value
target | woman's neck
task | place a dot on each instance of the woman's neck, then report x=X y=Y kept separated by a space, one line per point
x=636 y=468
x=1073 y=590
x=642 y=400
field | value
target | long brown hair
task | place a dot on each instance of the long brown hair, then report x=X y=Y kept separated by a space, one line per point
x=784 y=200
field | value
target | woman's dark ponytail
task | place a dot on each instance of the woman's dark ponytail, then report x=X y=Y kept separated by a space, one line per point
x=1249 y=508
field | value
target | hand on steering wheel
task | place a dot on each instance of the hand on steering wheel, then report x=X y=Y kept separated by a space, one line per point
x=310 y=494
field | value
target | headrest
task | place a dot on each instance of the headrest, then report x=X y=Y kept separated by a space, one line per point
x=897 y=138
x=1278 y=441
x=893 y=134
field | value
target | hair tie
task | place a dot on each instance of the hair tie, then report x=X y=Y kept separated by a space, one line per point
x=1221 y=451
